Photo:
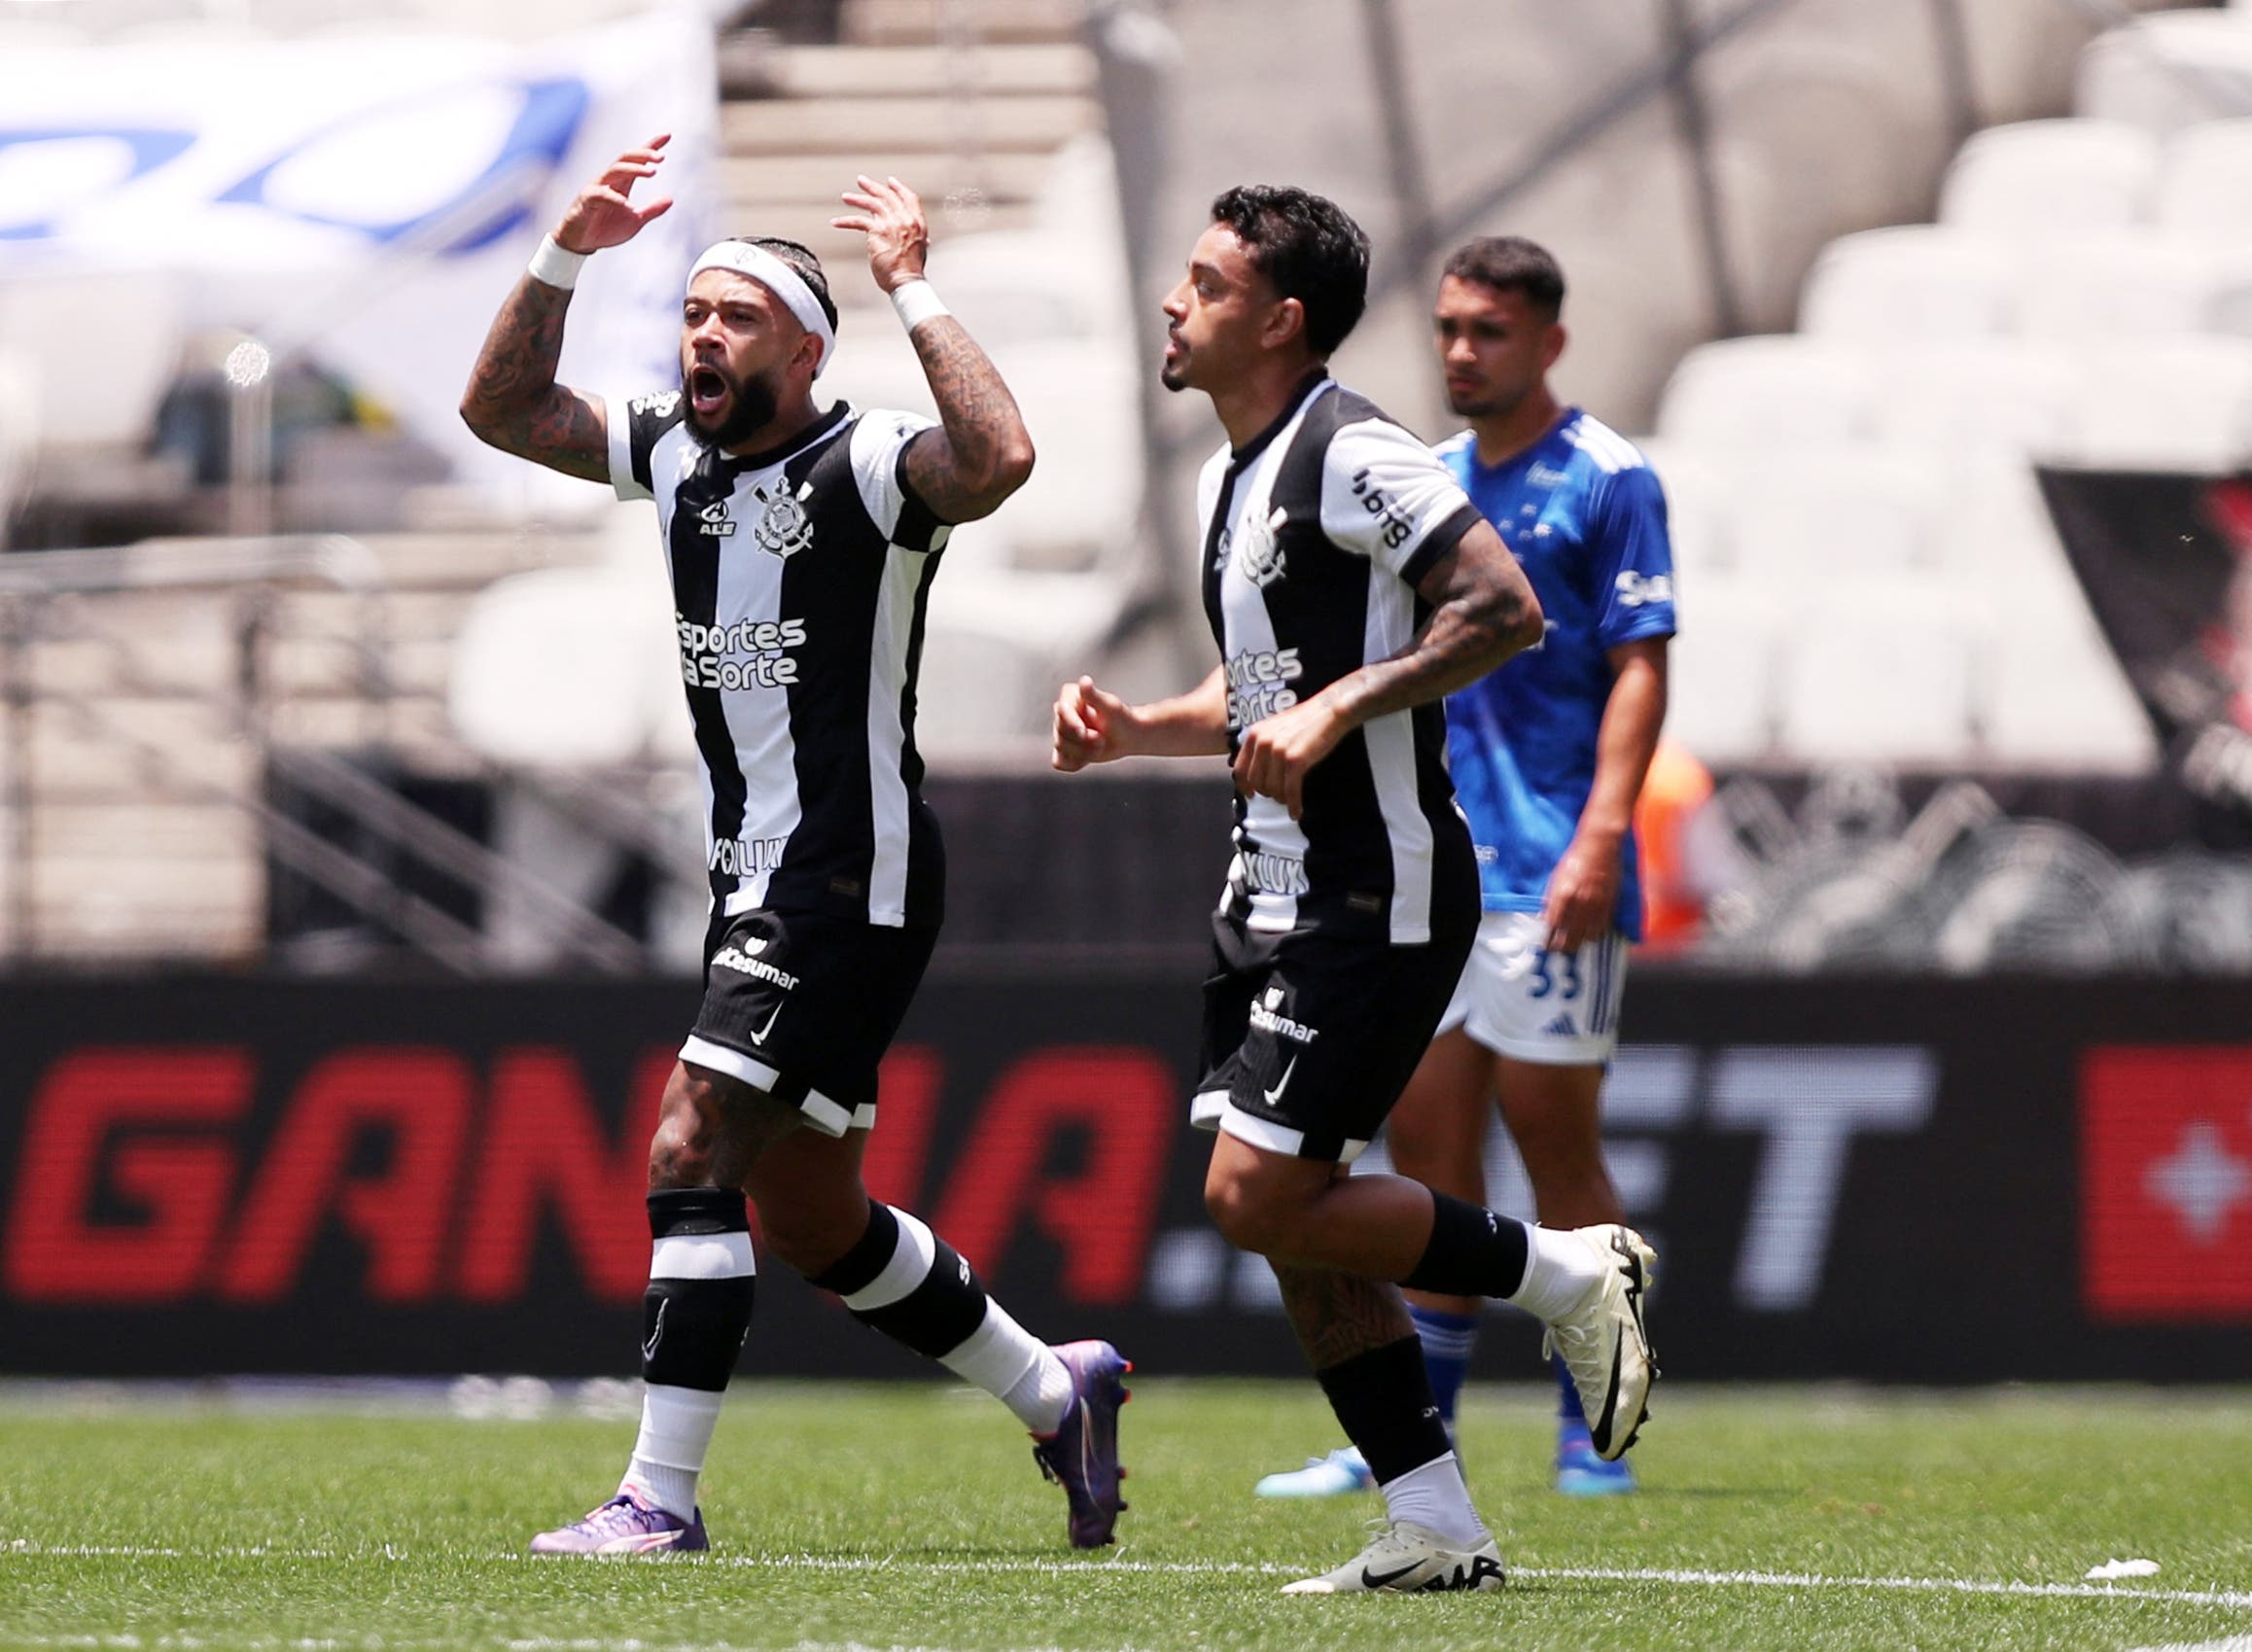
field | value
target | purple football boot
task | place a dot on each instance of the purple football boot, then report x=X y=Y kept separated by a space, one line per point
x=1083 y=1455
x=625 y=1525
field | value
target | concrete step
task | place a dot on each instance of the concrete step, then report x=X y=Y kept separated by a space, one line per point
x=852 y=127
x=905 y=23
x=993 y=68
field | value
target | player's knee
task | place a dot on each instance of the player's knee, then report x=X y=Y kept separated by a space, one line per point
x=1247 y=1215
x=683 y=1150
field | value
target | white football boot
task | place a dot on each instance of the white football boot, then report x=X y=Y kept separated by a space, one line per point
x=1412 y=1560
x=1602 y=1341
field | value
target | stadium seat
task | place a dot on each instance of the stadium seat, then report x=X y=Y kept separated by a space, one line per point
x=1720 y=702
x=2205 y=192
x=1820 y=515
x=2168 y=404
x=2166 y=72
x=1082 y=402
x=2045 y=176
x=1025 y=286
x=557 y=669
x=997 y=646
x=2055 y=698
x=2127 y=284
x=1752 y=392
x=103 y=345
x=1699 y=489
x=1918 y=283
x=1880 y=671
x=1988 y=395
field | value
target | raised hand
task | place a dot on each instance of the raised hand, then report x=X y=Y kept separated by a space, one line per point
x=890 y=215
x=603 y=216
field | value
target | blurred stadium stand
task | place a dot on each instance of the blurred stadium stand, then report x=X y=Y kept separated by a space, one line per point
x=2007 y=238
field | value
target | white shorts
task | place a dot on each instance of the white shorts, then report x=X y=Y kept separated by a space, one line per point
x=1519 y=999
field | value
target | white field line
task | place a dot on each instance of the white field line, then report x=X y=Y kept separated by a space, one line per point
x=2233 y=1598
x=2235 y=1643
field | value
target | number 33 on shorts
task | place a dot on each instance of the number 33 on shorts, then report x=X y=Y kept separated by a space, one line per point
x=1522 y=1001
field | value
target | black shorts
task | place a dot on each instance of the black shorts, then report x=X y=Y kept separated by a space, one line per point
x=802 y=1004
x=1310 y=1036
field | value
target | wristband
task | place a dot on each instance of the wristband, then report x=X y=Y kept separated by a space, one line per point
x=917 y=301
x=557 y=264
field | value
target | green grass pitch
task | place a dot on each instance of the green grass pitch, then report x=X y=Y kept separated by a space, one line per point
x=911 y=1516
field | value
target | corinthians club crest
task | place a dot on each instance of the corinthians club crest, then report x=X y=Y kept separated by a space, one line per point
x=784 y=529
x=1257 y=552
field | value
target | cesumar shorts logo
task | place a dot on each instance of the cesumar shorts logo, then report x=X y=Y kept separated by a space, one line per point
x=751 y=653
x=784 y=529
x=1260 y=684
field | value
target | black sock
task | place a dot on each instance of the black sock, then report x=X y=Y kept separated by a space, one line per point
x=932 y=1306
x=1383 y=1400
x=693 y=1326
x=1472 y=1253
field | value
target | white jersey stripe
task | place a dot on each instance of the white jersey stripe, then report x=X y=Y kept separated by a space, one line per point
x=1391 y=764
x=888 y=804
x=759 y=724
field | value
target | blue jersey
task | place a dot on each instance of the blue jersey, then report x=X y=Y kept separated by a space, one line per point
x=1585 y=515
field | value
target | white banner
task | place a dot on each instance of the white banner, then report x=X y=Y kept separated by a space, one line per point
x=368 y=200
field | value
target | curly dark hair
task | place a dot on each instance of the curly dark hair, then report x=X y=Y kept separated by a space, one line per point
x=1307 y=248
x=1510 y=264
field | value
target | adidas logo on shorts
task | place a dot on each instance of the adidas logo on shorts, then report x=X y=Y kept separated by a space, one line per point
x=1561 y=1028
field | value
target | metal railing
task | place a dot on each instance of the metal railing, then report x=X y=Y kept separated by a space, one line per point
x=43 y=598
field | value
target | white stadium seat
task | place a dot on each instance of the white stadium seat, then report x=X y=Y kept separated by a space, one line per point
x=2055 y=698
x=1918 y=283
x=2092 y=289
x=2204 y=193
x=1780 y=388
x=1700 y=489
x=2166 y=72
x=1721 y=684
x=1820 y=515
x=1880 y=671
x=2168 y=404
x=18 y=432
x=1985 y=394
x=2045 y=176
x=566 y=668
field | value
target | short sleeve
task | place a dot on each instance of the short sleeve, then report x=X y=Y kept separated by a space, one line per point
x=1633 y=557
x=634 y=425
x=879 y=455
x=1387 y=497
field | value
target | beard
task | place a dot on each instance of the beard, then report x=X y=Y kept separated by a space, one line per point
x=751 y=403
x=1492 y=404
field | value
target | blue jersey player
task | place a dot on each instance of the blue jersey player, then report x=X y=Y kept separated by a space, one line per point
x=1548 y=754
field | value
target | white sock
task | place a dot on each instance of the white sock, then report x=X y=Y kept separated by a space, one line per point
x=668 y=1459
x=1015 y=1367
x=1559 y=1272
x=1435 y=1498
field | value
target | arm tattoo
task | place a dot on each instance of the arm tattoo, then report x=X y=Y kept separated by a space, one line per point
x=982 y=452
x=513 y=401
x=1338 y=1315
x=1483 y=611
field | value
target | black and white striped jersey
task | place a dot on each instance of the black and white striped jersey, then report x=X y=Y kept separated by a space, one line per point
x=800 y=579
x=1314 y=536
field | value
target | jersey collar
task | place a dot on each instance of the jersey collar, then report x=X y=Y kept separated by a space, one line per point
x=727 y=464
x=1299 y=397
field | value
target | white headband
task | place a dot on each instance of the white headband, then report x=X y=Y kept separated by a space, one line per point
x=778 y=278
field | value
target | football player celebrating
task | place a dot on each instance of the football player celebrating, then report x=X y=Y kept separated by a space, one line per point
x=801 y=542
